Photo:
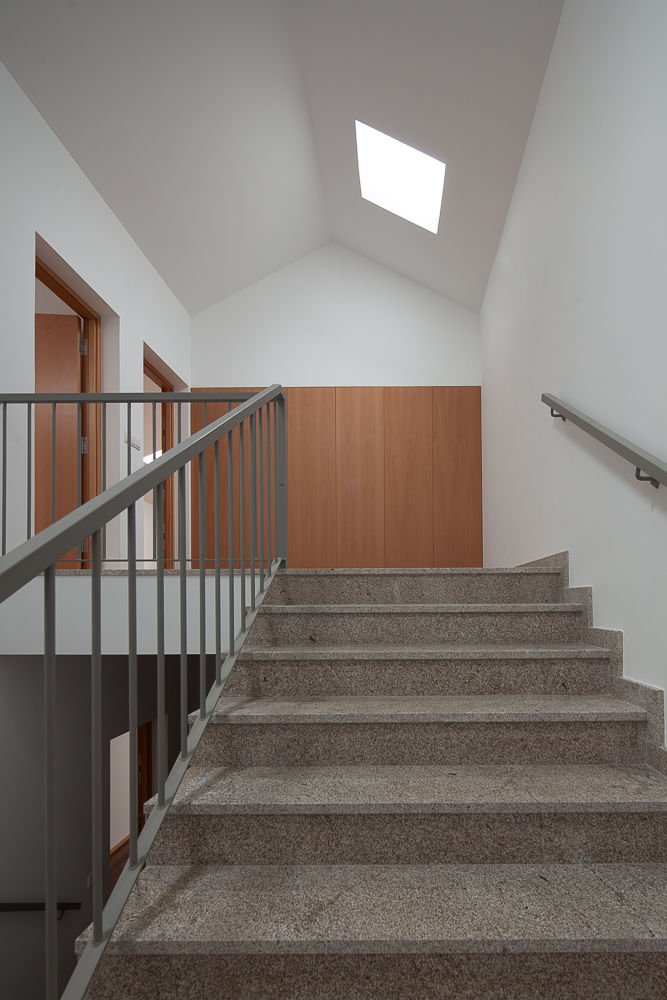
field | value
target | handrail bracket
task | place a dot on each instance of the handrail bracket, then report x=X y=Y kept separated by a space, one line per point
x=646 y=479
x=554 y=413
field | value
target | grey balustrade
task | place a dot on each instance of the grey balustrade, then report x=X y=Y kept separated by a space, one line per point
x=262 y=428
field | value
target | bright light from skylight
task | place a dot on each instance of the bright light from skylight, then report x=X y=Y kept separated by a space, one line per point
x=399 y=178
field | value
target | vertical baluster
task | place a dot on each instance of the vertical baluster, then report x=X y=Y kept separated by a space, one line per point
x=275 y=479
x=50 y=849
x=268 y=489
x=274 y=446
x=132 y=675
x=158 y=502
x=4 y=478
x=79 y=454
x=96 y=735
x=182 y=575
x=29 y=476
x=53 y=463
x=253 y=508
x=202 y=583
x=282 y=478
x=178 y=408
x=79 y=459
x=216 y=542
x=129 y=438
x=261 y=500
x=230 y=535
x=242 y=518
x=104 y=472
x=154 y=409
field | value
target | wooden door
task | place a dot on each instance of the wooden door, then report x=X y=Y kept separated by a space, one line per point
x=457 y=475
x=360 y=465
x=408 y=450
x=57 y=369
x=311 y=477
x=197 y=420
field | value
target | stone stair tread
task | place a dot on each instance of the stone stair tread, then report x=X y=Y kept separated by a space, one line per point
x=451 y=650
x=422 y=571
x=362 y=909
x=275 y=709
x=421 y=789
x=379 y=609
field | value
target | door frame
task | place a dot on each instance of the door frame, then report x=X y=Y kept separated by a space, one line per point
x=167 y=442
x=91 y=376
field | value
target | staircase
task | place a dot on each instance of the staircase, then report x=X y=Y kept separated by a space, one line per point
x=416 y=785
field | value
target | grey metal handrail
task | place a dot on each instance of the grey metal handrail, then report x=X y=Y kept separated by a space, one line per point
x=79 y=446
x=265 y=415
x=31 y=558
x=643 y=461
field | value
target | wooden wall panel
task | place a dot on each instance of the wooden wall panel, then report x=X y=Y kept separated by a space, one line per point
x=360 y=476
x=311 y=477
x=408 y=449
x=376 y=477
x=457 y=475
x=213 y=412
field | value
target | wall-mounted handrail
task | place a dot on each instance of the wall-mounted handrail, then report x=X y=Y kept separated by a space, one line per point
x=648 y=468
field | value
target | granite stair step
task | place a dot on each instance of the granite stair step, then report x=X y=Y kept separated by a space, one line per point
x=415 y=586
x=416 y=624
x=278 y=930
x=415 y=814
x=433 y=729
x=444 y=669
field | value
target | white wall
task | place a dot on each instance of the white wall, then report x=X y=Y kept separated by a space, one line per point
x=335 y=317
x=576 y=306
x=47 y=301
x=22 y=614
x=43 y=191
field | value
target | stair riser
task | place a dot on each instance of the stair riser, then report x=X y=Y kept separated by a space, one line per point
x=415 y=838
x=419 y=589
x=393 y=977
x=290 y=744
x=415 y=628
x=418 y=677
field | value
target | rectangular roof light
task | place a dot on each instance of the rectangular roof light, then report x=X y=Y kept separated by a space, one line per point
x=399 y=178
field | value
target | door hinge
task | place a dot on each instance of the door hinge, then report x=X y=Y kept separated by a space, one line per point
x=84 y=445
x=83 y=345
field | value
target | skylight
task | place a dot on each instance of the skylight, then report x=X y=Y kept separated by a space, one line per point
x=399 y=178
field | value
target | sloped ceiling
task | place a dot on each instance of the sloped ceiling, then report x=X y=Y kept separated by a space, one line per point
x=221 y=132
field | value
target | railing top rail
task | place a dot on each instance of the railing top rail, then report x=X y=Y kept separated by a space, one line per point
x=644 y=461
x=125 y=397
x=31 y=558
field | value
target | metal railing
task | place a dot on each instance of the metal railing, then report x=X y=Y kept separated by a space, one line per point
x=254 y=433
x=69 y=447
x=643 y=461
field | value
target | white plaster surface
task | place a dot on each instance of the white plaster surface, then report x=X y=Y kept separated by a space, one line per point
x=335 y=317
x=575 y=306
x=22 y=615
x=44 y=192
